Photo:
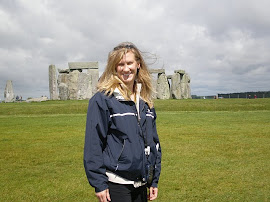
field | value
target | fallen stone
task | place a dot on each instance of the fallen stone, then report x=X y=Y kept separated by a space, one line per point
x=40 y=99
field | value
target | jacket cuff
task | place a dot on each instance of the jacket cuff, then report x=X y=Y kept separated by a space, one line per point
x=101 y=188
x=154 y=185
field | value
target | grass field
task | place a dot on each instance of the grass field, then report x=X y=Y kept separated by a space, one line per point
x=213 y=150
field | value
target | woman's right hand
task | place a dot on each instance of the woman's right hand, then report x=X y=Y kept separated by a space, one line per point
x=103 y=196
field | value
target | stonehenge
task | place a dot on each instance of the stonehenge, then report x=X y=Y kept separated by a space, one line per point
x=79 y=82
x=178 y=88
x=180 y=85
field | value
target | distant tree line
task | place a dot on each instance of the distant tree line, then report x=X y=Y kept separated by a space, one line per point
x=247 y=95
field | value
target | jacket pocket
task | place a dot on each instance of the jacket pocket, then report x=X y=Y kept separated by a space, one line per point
x=121 y=152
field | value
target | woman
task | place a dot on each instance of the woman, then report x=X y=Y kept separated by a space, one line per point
x=122 y=154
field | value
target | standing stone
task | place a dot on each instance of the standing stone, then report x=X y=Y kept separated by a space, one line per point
x=63 y=91
x=180 y=85
x=87 y=82
x=62 y=82
x=53 y=83
x=73 y=84
x=163 y=89
x=155 y=81
x=154 y=85
x=188 y=87
x=94 y=73
x=84 y=86
x=185 y=86
x=169 y=78
x=62 y=78
x=9 y=94
x=176 y=87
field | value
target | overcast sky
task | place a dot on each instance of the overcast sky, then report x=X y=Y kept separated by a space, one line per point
x=223 y=45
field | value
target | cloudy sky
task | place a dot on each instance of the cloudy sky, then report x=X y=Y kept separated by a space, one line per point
x=224 y=45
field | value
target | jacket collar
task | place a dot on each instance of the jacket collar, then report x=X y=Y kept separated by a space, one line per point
x=117 y=94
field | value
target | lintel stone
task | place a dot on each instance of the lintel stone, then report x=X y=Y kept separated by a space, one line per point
x=158 y=71
x=180 y=71
x=82 y=65
x=64 y=70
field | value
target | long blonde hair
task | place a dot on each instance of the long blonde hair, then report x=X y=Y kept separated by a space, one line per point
x=109 y=80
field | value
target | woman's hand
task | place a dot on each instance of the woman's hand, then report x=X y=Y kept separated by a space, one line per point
x=153 y=191
x=103 y=196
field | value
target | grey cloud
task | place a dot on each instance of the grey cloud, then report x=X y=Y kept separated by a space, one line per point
x=223 y=45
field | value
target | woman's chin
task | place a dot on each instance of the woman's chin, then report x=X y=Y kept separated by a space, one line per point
x=127 y=80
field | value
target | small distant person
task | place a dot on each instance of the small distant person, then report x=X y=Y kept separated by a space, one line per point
x=122 y=153
x=255 y=96
x=17 y=98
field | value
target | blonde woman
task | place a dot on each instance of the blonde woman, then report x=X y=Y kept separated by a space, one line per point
x=122 y=154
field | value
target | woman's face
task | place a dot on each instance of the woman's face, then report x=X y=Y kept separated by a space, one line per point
x=127 y=69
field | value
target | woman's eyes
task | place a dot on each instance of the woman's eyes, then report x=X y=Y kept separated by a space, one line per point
x=122 y=64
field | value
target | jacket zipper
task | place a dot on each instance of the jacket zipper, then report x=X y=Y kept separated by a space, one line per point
x=120 y=154
x=139 y=124
x=144 y=156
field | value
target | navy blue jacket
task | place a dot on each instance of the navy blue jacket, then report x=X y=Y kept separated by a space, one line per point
x=115 y=140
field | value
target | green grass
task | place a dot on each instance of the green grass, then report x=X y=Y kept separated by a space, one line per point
x=213 y=150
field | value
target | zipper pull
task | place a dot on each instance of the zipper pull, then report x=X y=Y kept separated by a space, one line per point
x=147 y=150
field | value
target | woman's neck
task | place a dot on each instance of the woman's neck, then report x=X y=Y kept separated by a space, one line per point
x=131 y=88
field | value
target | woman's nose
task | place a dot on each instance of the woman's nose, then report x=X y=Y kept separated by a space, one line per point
x=125 y=68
